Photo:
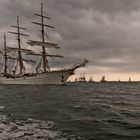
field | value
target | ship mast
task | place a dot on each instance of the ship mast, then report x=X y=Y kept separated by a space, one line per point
x=5 y=55
x=43 y=40
x=19 y=46
x=43 y=43
x=44 y=53
x=19 y=49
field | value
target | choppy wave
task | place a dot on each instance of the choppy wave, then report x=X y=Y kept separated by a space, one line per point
x=30 y=129
x=95 y=111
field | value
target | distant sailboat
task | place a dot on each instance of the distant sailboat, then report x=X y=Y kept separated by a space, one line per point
x=91 y=79
x=82 y=78
x=103 y=79
x=76 y=79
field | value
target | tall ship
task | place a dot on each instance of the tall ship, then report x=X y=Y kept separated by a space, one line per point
x=16 y=59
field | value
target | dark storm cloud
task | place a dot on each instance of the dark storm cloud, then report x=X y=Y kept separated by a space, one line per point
x=104 y=31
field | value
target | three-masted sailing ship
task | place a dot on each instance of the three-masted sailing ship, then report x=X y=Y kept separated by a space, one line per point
x=19 y=75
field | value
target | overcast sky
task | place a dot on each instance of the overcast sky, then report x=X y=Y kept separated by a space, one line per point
x=106 y=32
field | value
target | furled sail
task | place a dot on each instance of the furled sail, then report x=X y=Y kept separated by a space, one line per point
x=44 y=44
x=44 y=25
x=9 y=57
x=42 y=16
x=49 y=55
x=9 y=49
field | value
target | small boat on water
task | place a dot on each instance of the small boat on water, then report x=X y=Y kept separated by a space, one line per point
x=103 y=79
x=91 y=79
x=82 y=78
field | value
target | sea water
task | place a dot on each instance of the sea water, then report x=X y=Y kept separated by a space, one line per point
x=77 y=111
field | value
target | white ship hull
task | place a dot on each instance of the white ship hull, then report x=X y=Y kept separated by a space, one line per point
x=54 y=77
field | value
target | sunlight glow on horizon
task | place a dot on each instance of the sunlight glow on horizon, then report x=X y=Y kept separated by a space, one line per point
x=109 y=76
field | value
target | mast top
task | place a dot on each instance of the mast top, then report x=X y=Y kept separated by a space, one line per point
x=19 y=49
x=42 y=43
